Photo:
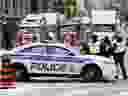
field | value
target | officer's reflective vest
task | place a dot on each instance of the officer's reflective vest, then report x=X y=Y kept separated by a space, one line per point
x=94 y=48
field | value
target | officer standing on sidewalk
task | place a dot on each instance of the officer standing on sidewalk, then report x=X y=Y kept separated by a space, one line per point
x=119 y=51
x=105 y=47
x=9 y=29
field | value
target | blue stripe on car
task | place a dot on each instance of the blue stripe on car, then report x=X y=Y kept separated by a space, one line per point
x=54 y=58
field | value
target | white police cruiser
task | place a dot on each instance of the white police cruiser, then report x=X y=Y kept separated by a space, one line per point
x=53 y=59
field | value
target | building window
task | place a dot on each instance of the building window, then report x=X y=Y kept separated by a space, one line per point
x=34 y=5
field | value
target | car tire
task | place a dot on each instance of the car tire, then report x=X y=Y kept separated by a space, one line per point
x=21 y=75
x=91 y=72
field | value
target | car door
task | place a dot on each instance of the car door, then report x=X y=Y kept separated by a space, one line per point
x=46 y=61
x=30 y=54
x=62 y=56
x=31 y=57
x=53 y=53
x=23 y=55
x=56 y=59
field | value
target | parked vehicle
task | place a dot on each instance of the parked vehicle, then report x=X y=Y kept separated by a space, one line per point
x=54 y=59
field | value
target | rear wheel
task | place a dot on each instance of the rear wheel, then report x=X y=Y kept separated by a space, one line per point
x=91 y=73
x=21 y=73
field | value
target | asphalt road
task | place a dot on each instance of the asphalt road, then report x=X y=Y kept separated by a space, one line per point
x=119 y=88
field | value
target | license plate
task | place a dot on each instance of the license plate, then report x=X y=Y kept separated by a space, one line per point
x=47 y=67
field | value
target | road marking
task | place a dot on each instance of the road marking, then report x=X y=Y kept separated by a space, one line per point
x=124 y=93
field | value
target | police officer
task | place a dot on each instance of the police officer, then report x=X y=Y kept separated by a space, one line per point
x=105 y=47
x=9 y=33
x=118 y=54
x=84 y=48
x=94 y=45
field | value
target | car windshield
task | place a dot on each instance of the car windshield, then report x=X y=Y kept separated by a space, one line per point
x=53 y=50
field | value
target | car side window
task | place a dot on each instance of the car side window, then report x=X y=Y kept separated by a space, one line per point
x=25 y=50
x=51 y=50
x=56 y=50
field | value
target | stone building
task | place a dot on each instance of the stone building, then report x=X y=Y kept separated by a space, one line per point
x=21 y=7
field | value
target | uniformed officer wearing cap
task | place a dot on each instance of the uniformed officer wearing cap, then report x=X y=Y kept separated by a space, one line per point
x=119 y=51
x=105 y=47
x=94 y=45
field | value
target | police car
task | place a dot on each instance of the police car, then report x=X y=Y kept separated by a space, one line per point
x=54 y=59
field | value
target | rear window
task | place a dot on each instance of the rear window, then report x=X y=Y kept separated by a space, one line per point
x=34 y=49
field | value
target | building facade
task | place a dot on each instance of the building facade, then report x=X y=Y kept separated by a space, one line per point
x=21 y=7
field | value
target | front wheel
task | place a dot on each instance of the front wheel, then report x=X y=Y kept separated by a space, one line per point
x=91 y=73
